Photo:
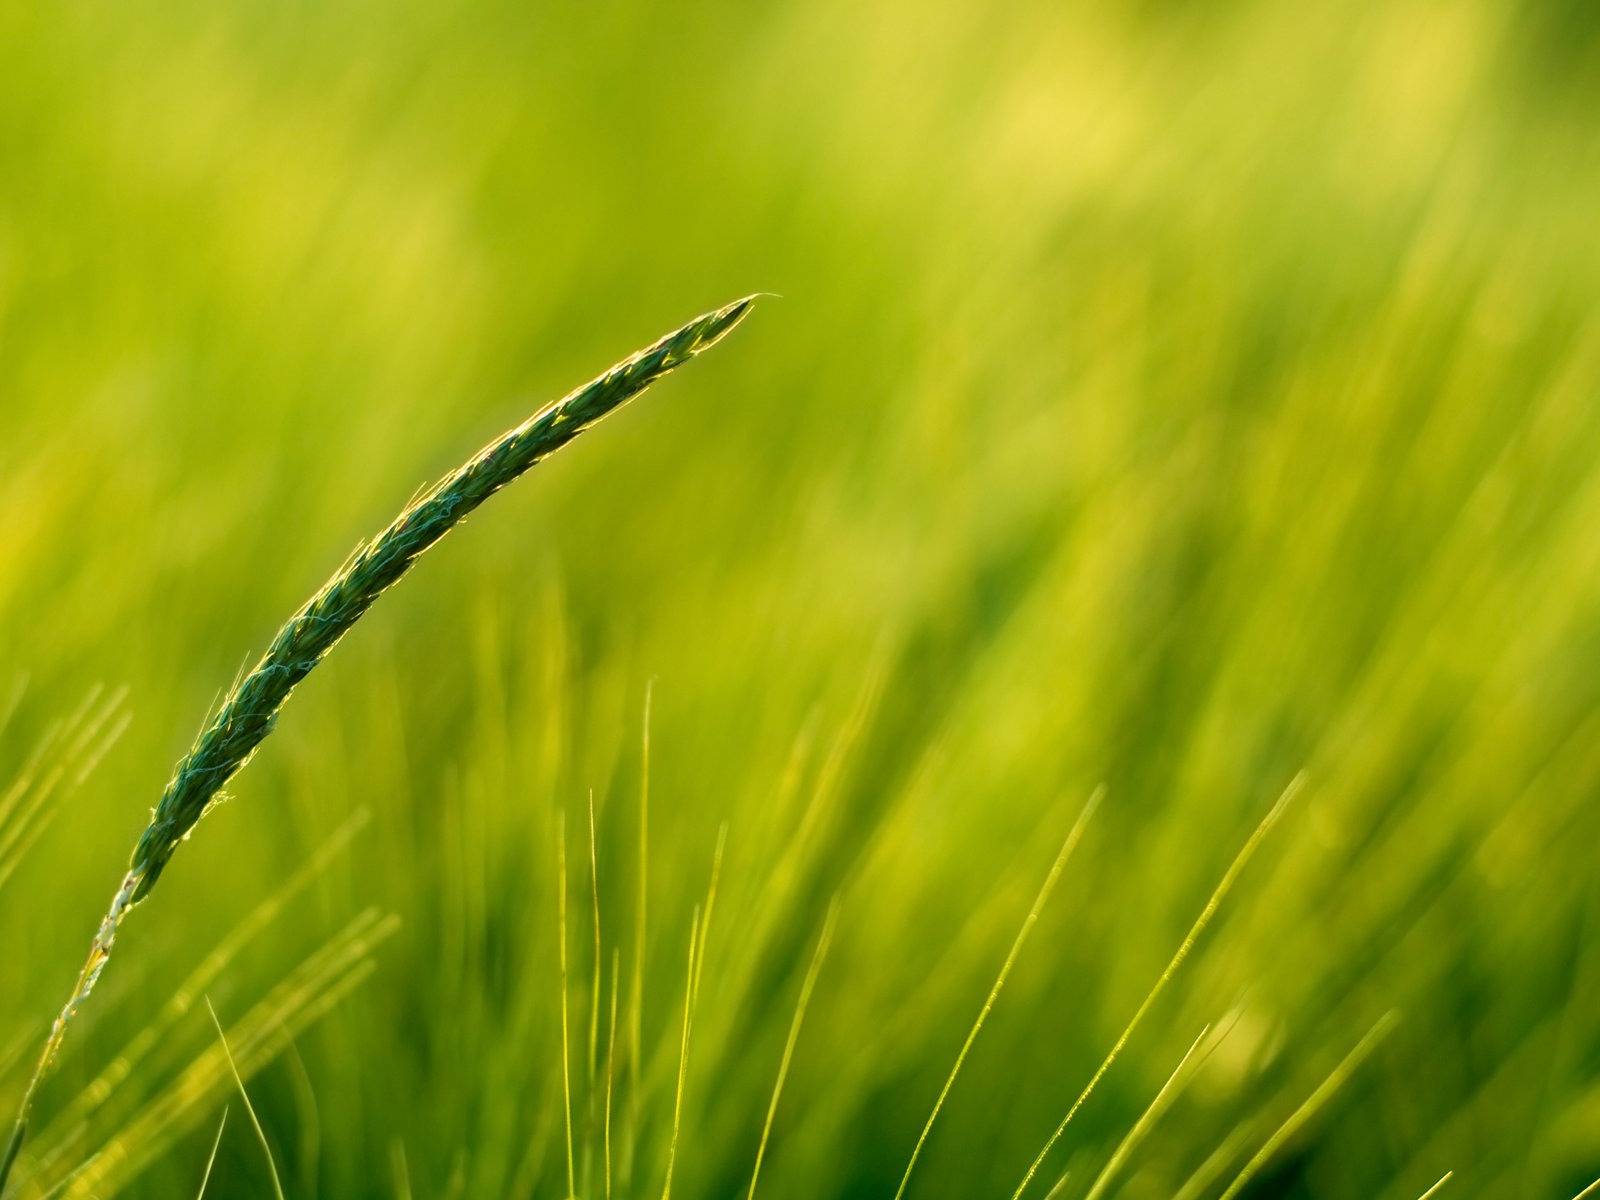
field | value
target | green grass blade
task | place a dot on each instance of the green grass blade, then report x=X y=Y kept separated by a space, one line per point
x=695 y=933
x=211 y=1159
x=249 y=1108
x=1224 y=886
x=13 y=1147
x=1000 y=980
x=561 y=927
x=250 y=710
x=1169 y=1092
x=806 y=988
x=1312 y=1105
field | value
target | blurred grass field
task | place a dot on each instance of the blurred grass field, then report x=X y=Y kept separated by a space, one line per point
x=1170 y=396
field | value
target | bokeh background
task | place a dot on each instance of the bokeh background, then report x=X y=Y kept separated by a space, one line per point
x=1166 y=395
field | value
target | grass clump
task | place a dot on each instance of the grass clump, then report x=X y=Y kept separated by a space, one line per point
x=1173 y=396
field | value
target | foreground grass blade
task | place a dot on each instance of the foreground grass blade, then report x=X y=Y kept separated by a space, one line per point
x=248 y=714
x=18 y=1132
x=1313 y=1104
x=216 y=1144
x=250 y=710
x=696 y=932
x=293 y=1005
x=250 y=1109
x=1434 y=1190
x=1028 y=923
x=1156 y=1109
x=1229 y=877
x=806 y=988
x=561 y=926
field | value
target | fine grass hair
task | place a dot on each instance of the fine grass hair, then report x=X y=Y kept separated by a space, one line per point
x=248 y=713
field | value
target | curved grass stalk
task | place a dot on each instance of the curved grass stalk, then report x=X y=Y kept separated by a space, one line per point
x=250 y=710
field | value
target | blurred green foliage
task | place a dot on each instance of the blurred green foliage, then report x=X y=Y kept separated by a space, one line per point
x=1164 y=394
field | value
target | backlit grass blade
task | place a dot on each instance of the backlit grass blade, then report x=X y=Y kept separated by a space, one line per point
x=1028 y=923
x=1229 y=877
x=248 y=713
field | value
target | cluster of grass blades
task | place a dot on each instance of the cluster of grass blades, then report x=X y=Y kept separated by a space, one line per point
x=247 y=715
x=64 y=756
x=594 y=1157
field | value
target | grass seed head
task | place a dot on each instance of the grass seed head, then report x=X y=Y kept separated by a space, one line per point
x=249 y=712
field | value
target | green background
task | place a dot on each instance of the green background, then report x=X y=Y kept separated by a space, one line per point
x=1167 y=395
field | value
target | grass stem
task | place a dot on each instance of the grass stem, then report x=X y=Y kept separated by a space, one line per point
x=1000 y=981
x=250 y=710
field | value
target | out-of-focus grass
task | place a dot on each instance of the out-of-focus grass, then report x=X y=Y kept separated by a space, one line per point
x=1167 y=395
